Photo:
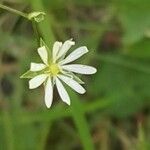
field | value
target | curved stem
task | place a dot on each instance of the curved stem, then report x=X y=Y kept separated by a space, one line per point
x=34 y=25
x=25 y=15
x=14 y=11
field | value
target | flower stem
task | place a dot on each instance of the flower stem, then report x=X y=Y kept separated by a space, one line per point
x=34 y=25
x=14 y=11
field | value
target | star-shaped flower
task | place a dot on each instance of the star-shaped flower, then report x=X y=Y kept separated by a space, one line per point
x=56 y=68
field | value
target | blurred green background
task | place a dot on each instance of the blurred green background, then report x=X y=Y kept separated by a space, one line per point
x=114 y=114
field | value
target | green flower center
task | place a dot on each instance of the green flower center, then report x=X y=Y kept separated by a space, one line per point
x=53 y=69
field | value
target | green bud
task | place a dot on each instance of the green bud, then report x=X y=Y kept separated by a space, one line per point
x=37 y=16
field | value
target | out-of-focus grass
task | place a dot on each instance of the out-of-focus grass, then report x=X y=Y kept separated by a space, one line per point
x=114 y=113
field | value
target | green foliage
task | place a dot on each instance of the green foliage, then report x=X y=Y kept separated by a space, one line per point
x=140 y=49
x=29 y=74
x=134 y=16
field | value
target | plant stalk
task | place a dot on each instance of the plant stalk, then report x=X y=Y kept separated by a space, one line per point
x=14 y=11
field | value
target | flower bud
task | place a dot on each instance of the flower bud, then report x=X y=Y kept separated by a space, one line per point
x=37 y=16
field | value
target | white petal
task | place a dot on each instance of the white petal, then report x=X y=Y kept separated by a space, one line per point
x=56 y=47
x=43 y=54
x=37 y=81
x=75 y=55
x=48 y=93
x=82 y=69
x=37 y=66
x=72 y=83
x=62 y=92
x=65 y=47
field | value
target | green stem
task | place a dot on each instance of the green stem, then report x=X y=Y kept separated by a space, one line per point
x=14 y=11
x=8 y=128
x=37 y=35
x=25 y=15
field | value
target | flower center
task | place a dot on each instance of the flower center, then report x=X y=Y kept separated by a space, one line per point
x=53 y=69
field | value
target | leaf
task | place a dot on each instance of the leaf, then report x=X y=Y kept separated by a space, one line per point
x=141 y=49
x=127 y=78
x=134 y=16
x=81 y=123
x=76 y=78
x=8 y=128
x=29 y=74
x=73 y=76
x=42 y=43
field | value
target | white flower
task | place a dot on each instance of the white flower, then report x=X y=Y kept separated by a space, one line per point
x=56 y=69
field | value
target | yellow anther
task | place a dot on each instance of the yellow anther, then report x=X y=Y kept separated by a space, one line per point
x=54 y=69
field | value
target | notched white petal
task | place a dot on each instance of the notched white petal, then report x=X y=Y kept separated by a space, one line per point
x=48 y=93
x=65 y=47
x=72 y=83
x=81 y=69
x=77 y=53
x=37 y=81
x=56 y=47
x=37 y=66
x=62 y=92
x=42 y=51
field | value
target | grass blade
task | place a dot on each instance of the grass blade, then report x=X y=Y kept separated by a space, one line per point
x=81 y=123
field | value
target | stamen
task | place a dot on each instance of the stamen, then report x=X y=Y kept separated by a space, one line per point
x=53 y=69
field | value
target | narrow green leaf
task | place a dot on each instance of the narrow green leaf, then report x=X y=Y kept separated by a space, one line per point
x=142 y=143
x=76 y=78
x=44 y=132
x=124 y=61
x=29 y=74
x=8 y=128
x=42 y=43
x=81 y=123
